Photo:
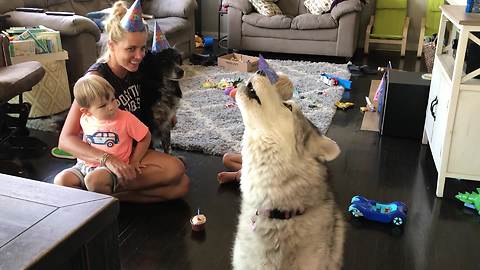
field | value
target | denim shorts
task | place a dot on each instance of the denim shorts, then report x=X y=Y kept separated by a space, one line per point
x=81 y=170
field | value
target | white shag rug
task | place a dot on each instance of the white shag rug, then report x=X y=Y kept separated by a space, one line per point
x=204 y=123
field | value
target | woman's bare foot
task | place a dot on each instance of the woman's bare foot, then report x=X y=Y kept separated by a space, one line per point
x=226 y=177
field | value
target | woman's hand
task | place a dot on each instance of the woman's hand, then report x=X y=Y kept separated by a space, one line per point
x=137 y=166
x=124 y=171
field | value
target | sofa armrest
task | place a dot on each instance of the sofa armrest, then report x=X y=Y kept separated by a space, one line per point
x=170 y=8
x=243 y=5
x=346 y=7
x=66 y=25
x=234 y=28
x=348 y=34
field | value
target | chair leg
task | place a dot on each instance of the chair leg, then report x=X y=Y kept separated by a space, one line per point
x=365 y=46
x=420 y=48
x=404 y=47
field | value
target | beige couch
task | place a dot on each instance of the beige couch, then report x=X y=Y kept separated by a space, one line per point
x=297 y=31
x=82 y=38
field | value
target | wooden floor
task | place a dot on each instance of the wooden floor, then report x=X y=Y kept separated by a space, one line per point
x=439 y=234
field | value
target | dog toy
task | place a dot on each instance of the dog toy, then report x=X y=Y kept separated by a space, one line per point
x=329 y=81
x=344 y=105
x=209 y=84
x=59 y=153
x=470 y=200
x=347 y=84
x=198 y=42
x=223 y=83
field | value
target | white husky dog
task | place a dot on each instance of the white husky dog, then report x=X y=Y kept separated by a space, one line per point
x=288 y=218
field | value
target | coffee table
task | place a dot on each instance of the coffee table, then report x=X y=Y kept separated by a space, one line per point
x=45 y=226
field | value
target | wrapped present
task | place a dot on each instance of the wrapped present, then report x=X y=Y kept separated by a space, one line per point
x=41 y=46
x=22 y=47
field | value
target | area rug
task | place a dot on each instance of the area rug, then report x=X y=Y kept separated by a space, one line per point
x=206 y=124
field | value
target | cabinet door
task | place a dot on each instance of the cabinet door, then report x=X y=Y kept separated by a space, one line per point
x=430 y=115
x=464 y=148
x=440 y=110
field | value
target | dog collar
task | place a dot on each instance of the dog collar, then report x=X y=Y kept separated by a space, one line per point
x=274 y=214
x=279 y=214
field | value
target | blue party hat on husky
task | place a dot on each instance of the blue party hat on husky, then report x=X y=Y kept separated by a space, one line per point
x=132 y=20
x=265 y=68
x=160 y=42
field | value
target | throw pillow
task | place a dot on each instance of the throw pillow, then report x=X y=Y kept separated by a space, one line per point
x=317 y=7
x=266 y=7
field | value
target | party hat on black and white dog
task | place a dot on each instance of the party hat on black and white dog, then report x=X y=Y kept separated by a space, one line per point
x=132 y=20
x=160 y=42
x=267 y=70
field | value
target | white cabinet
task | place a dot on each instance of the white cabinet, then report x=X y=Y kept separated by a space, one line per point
x=452 y=123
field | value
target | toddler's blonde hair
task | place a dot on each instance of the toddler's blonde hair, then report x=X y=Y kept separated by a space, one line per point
x=92 y=88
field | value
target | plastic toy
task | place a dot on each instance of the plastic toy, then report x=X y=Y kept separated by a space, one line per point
x=329 y=81
x=347 y=84
x=209 y=84
x=470 y=200
x=394 y=212
x=344 y=105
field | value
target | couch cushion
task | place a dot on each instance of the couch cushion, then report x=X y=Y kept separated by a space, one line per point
x=80 y=7
x=289 y=7
x=318 y=7
x=169 y=8
x=318 y=34
x=266 y=8
x=10 y=5
x=273 y=22
x=310 y=21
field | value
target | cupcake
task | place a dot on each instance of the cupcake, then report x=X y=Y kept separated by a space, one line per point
x=198 y=222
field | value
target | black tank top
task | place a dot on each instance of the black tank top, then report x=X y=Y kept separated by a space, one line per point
x=127 y=90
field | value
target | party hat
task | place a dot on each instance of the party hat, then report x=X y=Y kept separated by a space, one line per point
x=132 y=20
x=263 y=66
x=160 y=42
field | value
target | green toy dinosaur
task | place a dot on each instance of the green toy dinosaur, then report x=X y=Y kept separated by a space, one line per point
x=470 y=200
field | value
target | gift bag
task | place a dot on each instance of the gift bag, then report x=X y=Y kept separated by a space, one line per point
x=429 y=53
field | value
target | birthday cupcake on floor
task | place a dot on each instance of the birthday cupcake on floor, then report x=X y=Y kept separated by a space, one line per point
x=198 y=221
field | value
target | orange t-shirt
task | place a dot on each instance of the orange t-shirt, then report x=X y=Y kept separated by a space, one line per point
x=113 y=136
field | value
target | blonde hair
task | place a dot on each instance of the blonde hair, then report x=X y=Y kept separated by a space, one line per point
x=90 y=89
x=114 y=30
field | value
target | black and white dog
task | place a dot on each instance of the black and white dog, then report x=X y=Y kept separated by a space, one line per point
x=161 y=93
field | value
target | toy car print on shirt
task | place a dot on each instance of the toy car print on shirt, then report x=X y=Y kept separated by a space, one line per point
x=103 y=138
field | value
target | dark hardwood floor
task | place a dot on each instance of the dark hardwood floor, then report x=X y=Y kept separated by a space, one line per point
x=440 y=233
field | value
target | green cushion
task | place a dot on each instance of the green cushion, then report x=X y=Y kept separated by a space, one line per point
x=389 y=4
x=432 y=21
x=389 y=23
x=434 y=5
x=432 y=16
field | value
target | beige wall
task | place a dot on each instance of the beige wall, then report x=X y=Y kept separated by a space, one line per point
x=416 y=10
